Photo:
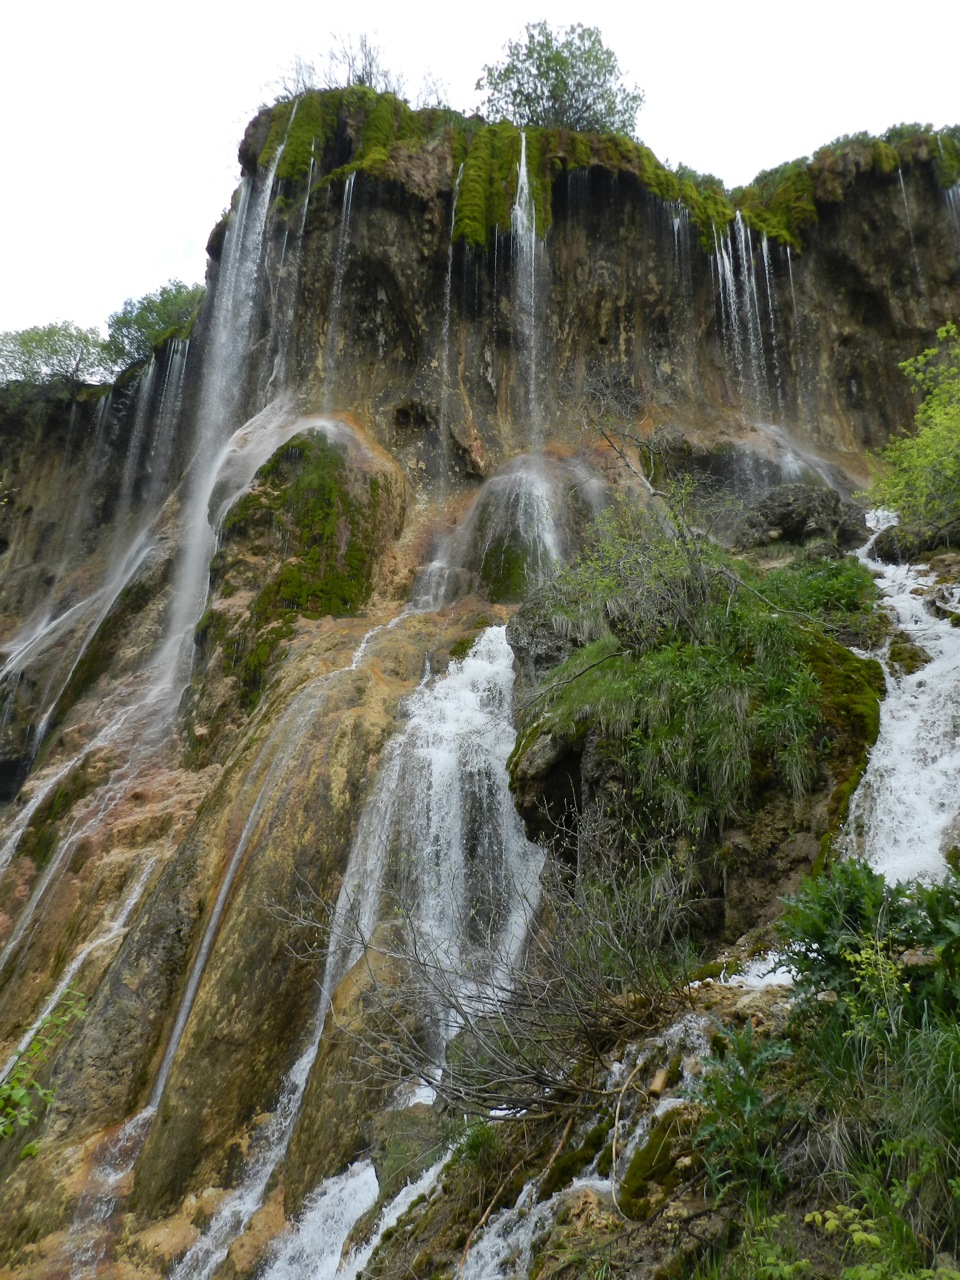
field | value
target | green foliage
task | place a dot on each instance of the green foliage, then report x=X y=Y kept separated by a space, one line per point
x=841 y=592
x=780 y=202
x=53 y=355
x=846 y=929
x=21 y=1094
x=745 y=1110
x=922 y=480
x=482 y=1147
x=566 y=79
x=842 y=1243
x=142 y=323
x=880 y=1057
x=696 y=673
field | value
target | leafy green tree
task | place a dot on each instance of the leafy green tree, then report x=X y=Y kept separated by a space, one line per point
x=143 y=322
x=565 y=79
x=53 y=353
x=922 y=481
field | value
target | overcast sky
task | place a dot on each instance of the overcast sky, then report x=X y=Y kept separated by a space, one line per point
x=121 y=120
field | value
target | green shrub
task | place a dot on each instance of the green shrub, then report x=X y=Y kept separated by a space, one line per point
x=21 y=1094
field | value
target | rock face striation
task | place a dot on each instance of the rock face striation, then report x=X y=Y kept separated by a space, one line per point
x=425 y=344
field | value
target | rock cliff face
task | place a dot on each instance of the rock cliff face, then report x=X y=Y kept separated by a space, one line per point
x=224 y=577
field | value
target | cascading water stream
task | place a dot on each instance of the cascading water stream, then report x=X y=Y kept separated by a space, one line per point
x=89 y=1235
x=136 y=446
x=114 y=930
x=772 y=312
x=336 y=295
x=219 y=402
x=742 y=322
x=287 y=736
x=526 y=252
x=905 y=813
x=952 y=197
x=442 y=828
x=521 y=527
x=126 y=729
x=505 y=1247
x=314 y=1251
x=446 y=392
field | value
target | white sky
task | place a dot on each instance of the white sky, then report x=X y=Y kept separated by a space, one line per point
x=120 y=120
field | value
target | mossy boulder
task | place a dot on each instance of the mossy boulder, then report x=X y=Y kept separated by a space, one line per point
x=303 y=542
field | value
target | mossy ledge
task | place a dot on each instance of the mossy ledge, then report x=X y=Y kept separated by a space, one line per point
x=327 y=134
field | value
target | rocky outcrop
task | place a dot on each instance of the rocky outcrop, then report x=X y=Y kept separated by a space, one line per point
x=804 y=516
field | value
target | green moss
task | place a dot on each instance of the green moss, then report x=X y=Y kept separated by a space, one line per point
x=781 y=203
x=655 y=1160
x=488 y=186
x=850 y=692
x=460 y=648
x=566 y=1167
x=302 y=498
x=946 y=159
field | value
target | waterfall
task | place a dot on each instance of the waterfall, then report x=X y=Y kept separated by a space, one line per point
x=286 y=737
x=905 y=813
x=445 y=389
x=523 y=524
x=526 y=254
x=742 y=325
x=135 y=448
x=168 y=416
x=913 y=243
x=797 y=344
x=315 y=1248
x=952 y=197
x=728 y=305
x=751 y=309
x=336 y=294
x=125 y=731
x=772 y=313
x=440 y=828
x=220 y=398
x=114 y=930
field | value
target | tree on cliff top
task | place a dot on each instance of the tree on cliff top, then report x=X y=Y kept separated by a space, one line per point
x=566 y=79
x=143 y=322
x=60 y=354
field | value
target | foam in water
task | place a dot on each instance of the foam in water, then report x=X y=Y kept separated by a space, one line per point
x=906 y=812
x=315 y=1247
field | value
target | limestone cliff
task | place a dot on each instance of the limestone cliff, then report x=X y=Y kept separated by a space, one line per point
x=227 y=580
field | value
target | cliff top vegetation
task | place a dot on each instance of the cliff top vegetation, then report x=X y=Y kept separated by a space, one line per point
x=327 y=134
x=566 y=79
